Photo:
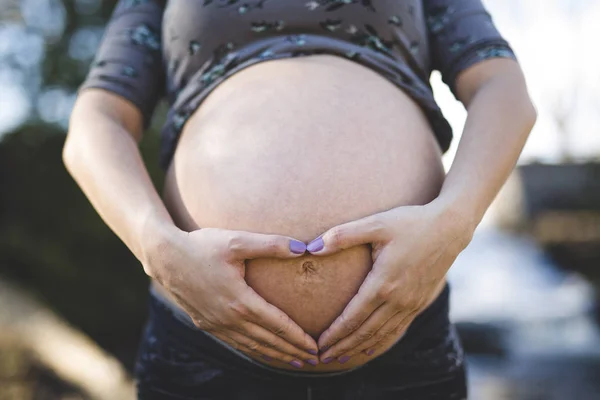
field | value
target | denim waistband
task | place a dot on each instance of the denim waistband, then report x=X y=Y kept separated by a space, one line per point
x=176 y=322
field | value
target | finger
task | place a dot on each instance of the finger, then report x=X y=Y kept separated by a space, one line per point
x=278 y=348
x=392 y=328
x=362 y=231
x=223 y=336
x=244 y=344
x=386 y=331
x=343 y=349
x=249 y=345
x=264 y=314
x=246 y=245
x=370 y=296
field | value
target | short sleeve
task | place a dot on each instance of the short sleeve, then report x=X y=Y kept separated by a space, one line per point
x=129 y=59
x=461 y=34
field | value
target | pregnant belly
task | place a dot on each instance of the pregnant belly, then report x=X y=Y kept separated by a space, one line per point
x=295 y=147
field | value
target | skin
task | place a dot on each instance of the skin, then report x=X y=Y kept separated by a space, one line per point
x=235 y=169
x=102 y=155
x=405 y=239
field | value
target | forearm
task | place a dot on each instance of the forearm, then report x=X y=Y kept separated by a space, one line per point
x=105 y=161
x=500 y=117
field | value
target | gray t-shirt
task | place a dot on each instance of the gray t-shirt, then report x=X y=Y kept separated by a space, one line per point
x=183 y=49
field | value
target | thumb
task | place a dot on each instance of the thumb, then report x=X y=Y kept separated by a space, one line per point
x=247 y=245
x=341 y=237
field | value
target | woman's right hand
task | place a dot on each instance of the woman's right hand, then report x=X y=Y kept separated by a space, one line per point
x=204 y=271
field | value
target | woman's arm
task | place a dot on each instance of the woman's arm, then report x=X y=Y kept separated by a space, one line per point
x=101 y=153
x=114 y=106
x=414 y=246
x=500 y=117
x=480 y=68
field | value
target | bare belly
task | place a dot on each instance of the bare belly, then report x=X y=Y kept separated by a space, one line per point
x=295 y=147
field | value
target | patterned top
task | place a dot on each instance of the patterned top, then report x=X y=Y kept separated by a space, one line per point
x=183 y=49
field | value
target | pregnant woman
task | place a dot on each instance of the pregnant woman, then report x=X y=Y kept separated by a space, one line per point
x=300 y=246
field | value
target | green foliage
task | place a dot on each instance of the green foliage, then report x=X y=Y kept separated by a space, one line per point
x=58 y=68
x=51 y=239
x=53 y=242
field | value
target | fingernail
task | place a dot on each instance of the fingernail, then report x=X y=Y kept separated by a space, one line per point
x=296 y=363
x=297 y=246
x=370 y=352
x=313 y=352
x=327 y=360
x=267 y=358
x=343 y=359
x=315 y=245
x=312 y=362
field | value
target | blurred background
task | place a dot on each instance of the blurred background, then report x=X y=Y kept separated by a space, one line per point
x=525 y=292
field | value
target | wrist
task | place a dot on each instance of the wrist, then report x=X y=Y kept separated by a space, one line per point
x=456 y=214
x=156 y=245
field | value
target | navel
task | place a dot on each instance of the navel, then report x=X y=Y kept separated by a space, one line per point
x=308 y=268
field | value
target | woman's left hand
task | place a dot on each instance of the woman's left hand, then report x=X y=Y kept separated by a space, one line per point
x=413 y=248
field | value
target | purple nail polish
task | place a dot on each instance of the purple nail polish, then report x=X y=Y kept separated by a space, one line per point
x=296 y=363
x=370 y=352
x=297 y=247
x=312 y=362
x=343 y=359
x=267 y=358
x=313 y=352
x=315 y=245
x=327 y=360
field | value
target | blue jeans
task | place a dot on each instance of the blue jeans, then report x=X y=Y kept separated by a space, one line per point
x=176 y=361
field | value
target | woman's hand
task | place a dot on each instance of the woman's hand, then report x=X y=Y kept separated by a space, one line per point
x=204 y=271
x=413 y=248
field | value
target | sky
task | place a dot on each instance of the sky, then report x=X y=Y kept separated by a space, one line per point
x=555 y=42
